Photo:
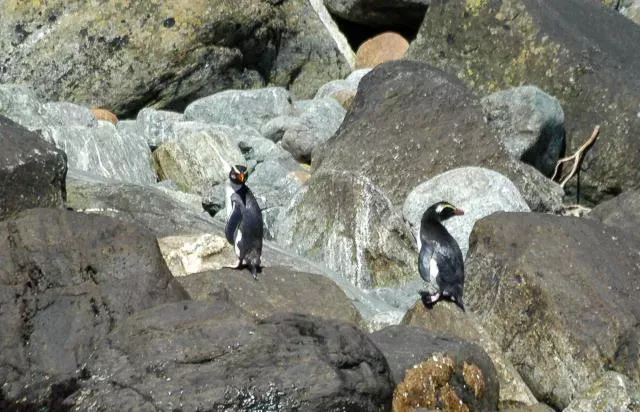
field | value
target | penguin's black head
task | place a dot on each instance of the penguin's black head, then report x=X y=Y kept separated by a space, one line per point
x=442 y=211
x=238 y=174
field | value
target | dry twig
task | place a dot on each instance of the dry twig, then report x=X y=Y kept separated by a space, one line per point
x=577 y=157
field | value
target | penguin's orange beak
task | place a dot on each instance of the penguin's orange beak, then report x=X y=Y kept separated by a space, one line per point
x=242 y=177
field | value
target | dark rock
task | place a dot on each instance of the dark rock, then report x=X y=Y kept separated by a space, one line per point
x=214 y=356
x=445 y=364
x=278 y=289
x=623 y=211
x=384 y=13
x=66 y=280
x=567 y=49
x=32 y=171
x=560 y=297
x=412 y=120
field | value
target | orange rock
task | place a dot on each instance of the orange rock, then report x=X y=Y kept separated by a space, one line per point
x=104 y=114
x=381 y=48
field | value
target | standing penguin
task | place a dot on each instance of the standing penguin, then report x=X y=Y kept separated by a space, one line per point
x=440 y=261
x=244 y=221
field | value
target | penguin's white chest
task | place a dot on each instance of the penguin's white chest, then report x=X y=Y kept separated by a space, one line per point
x=236 y=243
x=433 y=270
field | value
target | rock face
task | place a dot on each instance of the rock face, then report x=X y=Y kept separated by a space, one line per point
x=410 y=122
x=124 y=56
x=195 y=253
x=278 y=289
x=559 y=295
x=380 y=12
x=623 y=211
x=529 y=124
x=478 y=191
x=213 y=356
x=567 y=49
x=342 y=219
x=32 y=171
x=59 y=302
x=612 y=392
x=454 y=373
x=381 y=48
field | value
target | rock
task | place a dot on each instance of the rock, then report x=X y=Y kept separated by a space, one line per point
x=338 y=37
x=258 y=148
x=380 y=13
x=319 y=120
x=410 y=122
x=612 y=392
x=32 y=171
x=478 y=191
x=529 y=124
x=538 y=407
x=105 y=114
x=381 y=48
x=187 y=254
x=66 y=114
x=278 y=289
x=20 y=104
x=163 y=212
x=241 y=107
x=566 y=49
x=197 y=356
x=632 y=11
x=67 y=279
x=559 y=296
x=156 y=125
x=193 y=162
x=446 y=318
x=349 y=84
x=165 y=55
x=103 y=151
x=623 y=211
x=345 y=221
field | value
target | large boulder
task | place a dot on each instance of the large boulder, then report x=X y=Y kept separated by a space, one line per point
x=559 y=296
x=622 y=211
x=66 y=280
x=455 y=373
x=124 y=56
x=380 y=13
x=278 y=289
x=612 y=392
x=477 y=191
x=381 y=48
x=214 y=356
x=32 y=171
x=410 y=122
x=566 y=48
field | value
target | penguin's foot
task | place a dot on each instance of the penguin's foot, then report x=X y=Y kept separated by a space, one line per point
x=427 y=299
x=255 y=269
x=239 y=265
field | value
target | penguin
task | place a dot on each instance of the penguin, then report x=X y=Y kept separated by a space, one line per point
x=440 y=261
x=244 y=227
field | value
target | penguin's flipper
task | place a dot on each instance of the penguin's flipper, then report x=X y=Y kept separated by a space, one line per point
x=235 y=218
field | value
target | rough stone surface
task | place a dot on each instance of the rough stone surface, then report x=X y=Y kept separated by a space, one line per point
x=623 y=211
x=67 y=279
x=529 y=124
x=66 y=114
x=32 y=171
x=214 y=356
x=478 y=191
x=278 y=289
x=446 y=318
x=612 y=392
x=193 y=162
x=124 y=56
x=21 y=104
x=380 y=12
x=560 y=297
x=345 y=221
x=156 y=125
x=412 y=120
x=350 y=84
x=102 y=150
x=567 y=49
x=381 y=48
x=188 y=254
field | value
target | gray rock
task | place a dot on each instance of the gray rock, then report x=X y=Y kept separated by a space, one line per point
x=156 y=125
x=255 y=147
x=380 y=13
x=559 y=296
x=66 y=280
x=275 y=128
x=241 y=107
x=478 y=191
x=21 y=104
x=349 y=84
x=32 y=171
x=471 y=376
x=103 y=151
x=199 y=356
x=529 y=124
x=623 y=211
x=193 y=161
x=612 y=392
x=67 y=114
x=345 y=221
x=213 y=201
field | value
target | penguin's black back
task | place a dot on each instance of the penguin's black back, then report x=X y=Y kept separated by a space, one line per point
x=446 y=253
x=250 y=225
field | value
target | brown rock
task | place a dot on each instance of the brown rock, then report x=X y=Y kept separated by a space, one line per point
x=104 y=114
x=381 y=48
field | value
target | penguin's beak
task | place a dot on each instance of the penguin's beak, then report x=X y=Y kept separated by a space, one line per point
x=242 y=177
x=458 y=212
